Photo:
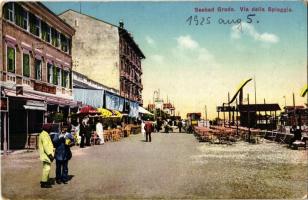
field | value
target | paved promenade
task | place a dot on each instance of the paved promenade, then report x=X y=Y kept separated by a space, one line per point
x=174 y=165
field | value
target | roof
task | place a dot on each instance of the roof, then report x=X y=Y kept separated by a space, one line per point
x=54 y=14
x=131 y=40
x=80 y=84
x=259 y=107
x=88 y=16
x=294 y=107
x=122 y=31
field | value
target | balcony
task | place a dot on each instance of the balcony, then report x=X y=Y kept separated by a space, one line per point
x=124 y=94
x=26 y=81
x=125 y=75
x=11 y=77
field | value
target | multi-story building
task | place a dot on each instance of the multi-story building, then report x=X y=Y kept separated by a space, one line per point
x=130 y=66
x=169 y=109
x=107 y=54
x=36 y=68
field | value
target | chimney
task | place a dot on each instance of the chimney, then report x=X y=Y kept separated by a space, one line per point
x=121 y=24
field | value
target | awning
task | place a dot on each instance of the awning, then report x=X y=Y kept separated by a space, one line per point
x=144 y=111
x=35 y=108
x=104 y=112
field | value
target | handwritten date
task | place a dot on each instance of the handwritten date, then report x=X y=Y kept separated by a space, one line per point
x=200 y=21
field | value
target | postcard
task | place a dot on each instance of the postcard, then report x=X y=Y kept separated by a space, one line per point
x=154 y=99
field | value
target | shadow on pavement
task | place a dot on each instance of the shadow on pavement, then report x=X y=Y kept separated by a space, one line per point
x=70 y=177
x=52 y=181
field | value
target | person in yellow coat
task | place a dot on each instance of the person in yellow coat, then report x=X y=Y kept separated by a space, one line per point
x=46 y=151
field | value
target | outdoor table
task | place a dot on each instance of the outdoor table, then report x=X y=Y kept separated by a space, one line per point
x=271 y=135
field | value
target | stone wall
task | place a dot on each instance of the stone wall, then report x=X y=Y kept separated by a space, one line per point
x=95 y=48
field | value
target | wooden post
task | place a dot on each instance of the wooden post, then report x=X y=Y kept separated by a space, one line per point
x=229 y=108
x=249 y=133
x=223 y=110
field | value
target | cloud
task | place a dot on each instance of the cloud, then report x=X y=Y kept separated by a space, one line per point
x=150 y=40
x=157 y=58
x=188 y=51
x=187 y=42
x=248 y=29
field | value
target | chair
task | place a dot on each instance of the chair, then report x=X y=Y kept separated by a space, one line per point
x=282 y=138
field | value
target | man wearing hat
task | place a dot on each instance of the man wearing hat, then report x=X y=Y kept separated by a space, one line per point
x=148 y=127
x=46 y=154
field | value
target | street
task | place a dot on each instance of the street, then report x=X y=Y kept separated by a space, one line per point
x=174 y=165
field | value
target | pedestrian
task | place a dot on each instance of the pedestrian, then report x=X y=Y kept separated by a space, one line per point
x=158 y=125
x=297 y=134
x=90 y=129
x=180 y=125
x=166 y=126
x=154 y=126
x=84 y=128
x=148 y=127
x=100 y=131
x=46 y=154
x=142 y=128
x=63 y=154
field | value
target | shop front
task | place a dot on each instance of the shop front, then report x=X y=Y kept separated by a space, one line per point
x=25 y=117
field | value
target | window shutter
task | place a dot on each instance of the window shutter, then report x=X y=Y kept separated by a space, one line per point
x=26 y=63
x=11 y=59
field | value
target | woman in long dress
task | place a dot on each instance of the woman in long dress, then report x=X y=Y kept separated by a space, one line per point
x=100 y=131
x=142 y=128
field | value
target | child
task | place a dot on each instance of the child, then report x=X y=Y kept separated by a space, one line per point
x=63 y=154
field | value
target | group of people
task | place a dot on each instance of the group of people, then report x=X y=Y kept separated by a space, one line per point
x=55 y=145
x=148 y=127
x=85 y=132
x=168 y=125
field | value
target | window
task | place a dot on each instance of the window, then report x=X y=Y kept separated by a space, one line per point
x=45 y=31
x=8 y=9
x=70 y=80
x=67 y=80
x=49 y=73
x=54 y=37
x=35 y=24
x=38 y=69
x=18 y=14
x=10 y=59
x=69 y=45
x=63 y=79
x=48 y=34
x=64 y=43
x=37 y=27
x=25 y=19
x=32 y=22
x=26 y=64
x=59 y=39
x=59 y=77
x=55 y=76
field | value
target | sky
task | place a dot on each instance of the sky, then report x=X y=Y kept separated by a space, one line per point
x=196 y=65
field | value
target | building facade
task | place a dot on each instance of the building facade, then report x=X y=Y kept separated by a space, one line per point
x=36 y=69
x=107 y=54
x=130 y=67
